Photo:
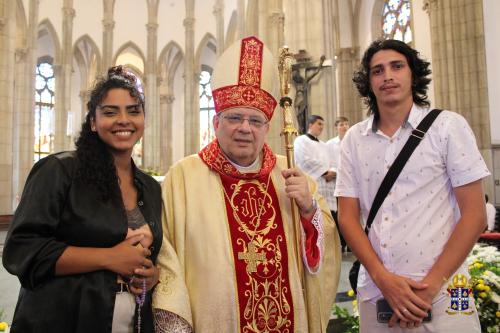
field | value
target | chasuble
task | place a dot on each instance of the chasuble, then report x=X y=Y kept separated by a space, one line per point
x=228 y=263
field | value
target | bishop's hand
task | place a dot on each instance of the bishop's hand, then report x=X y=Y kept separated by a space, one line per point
x=297 y=188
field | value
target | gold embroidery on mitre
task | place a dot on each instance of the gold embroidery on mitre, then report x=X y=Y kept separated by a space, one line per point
x=251 y=62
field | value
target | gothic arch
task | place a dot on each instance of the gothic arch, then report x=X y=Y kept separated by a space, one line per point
x=131 y=46
x=88 y=59
x=378 y=6
x=45 y=27
x=201 y=58
x=168 y=62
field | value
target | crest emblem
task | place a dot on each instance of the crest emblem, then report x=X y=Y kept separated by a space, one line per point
x=460 y=294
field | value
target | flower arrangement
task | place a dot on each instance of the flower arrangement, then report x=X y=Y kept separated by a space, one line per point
x=350 y=322
x=3 y=325
x=484 y=269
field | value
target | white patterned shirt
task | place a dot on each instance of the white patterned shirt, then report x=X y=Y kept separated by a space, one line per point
x=420 y=212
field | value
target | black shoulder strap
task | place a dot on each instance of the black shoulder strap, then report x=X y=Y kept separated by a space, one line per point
x=397 y=166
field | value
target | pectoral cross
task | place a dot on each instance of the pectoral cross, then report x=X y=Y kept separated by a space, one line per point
x=251 y=257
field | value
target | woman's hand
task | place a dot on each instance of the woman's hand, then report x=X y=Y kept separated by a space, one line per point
x=125 y=257
x=148 y=273
x=147 y=240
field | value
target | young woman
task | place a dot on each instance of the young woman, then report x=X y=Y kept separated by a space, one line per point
x=87 y=231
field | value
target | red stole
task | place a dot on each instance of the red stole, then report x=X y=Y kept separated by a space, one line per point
x=258 y=243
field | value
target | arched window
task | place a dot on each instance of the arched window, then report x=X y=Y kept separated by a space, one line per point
x=44 y=109
x=207 y=109
x=396 y=18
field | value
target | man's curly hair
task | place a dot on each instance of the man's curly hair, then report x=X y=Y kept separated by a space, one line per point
x=419 y=70
x=96 y=165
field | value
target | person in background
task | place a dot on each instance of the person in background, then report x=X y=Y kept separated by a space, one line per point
x=491 y=213
x=312 y=157
x=85 y=236
x=414 y=255
x=333 y=146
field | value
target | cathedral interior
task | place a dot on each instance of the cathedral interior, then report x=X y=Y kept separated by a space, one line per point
x=51 y=52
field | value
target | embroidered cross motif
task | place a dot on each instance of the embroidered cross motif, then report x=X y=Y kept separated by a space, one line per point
x=248 y=95
x=251 y=257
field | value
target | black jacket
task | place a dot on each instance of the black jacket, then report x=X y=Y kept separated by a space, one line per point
x=57 y=211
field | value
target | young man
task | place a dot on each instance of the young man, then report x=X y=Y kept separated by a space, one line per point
x=228 y=218
x=311 y=156
x=414 y=255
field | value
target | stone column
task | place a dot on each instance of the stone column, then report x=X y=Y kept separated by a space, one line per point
x=274 y=39
x=191 y=114
x=84 y=98
x=240 y=11
x=166 y=138
x=350 y=104
x=329 y=83
x=108 y=25
x=252 y=21
x=7 y=61
x=62 y=105
x=459 y=66
x=23 y=121
x=219 y=22
x=151 y=142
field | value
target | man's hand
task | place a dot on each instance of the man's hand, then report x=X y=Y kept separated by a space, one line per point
x=297 y=188
x=399 y=292
x=330 y=175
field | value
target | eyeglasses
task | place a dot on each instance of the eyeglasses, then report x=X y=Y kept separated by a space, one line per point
x=238 y=119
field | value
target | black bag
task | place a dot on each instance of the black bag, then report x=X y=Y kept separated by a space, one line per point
x=392 y=174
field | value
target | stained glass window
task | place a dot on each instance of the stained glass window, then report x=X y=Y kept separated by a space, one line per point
x=396 y=18
x=44 y=110
x=207 y=109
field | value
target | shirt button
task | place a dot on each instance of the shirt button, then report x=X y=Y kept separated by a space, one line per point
x=140 y=203
x=384 y=245
x=387 y=219
x=391 y=140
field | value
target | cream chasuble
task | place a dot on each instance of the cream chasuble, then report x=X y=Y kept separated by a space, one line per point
x=211 y=265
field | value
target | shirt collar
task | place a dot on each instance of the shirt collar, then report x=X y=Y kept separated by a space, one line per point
x=414 y=117
x=312 y=137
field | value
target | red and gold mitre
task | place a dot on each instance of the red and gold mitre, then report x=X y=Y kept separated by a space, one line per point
x=243 y=77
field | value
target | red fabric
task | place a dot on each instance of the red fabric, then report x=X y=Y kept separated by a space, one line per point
x=490 y=235
x=310 y=244
x=214 y=158
x=256 y=229
x=247 y=92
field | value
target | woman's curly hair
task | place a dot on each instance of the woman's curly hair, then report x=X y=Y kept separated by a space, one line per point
x=96 y=165
x=419 y=70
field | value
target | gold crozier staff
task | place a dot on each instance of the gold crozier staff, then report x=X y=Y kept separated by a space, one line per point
x=289 y=132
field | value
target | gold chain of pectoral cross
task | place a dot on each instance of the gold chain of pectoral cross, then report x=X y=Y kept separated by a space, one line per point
x=251 y=256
